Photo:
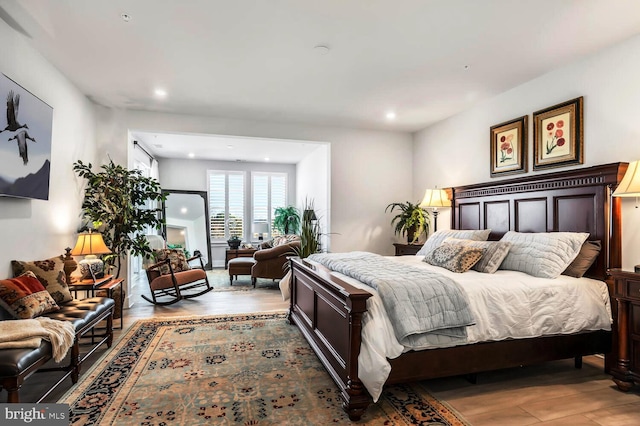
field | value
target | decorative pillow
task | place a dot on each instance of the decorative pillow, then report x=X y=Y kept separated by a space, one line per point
x=24 y=297
x=50 y=273
x=588 y=254
x=494 y=253
x=464 y=234
x=176 y=258
x=285 y=239
x=454 y=257
x=544 y=254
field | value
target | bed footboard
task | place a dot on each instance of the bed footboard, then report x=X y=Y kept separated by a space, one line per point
x=329 y=314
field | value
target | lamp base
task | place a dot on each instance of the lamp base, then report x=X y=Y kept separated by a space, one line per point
x=91 y=267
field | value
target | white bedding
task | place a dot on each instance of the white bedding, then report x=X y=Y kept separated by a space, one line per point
x=506 y=304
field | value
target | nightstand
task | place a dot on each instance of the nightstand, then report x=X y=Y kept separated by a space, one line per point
x=626 y=369
x=407 y=249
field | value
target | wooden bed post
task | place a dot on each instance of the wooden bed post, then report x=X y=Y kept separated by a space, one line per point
x=355 y=398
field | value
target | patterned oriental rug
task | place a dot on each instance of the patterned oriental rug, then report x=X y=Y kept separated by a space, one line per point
x=252 y=369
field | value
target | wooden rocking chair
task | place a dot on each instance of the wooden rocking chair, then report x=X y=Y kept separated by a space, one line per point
x=169 y=288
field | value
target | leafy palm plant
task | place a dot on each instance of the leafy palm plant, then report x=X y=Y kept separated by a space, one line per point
x=287 y=220
x=114 y=201
x=411 y=220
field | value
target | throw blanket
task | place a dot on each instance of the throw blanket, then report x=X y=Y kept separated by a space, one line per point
x=28 y=333
x=417 y=301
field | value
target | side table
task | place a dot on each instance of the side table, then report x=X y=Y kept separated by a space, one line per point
x=107 y=283
x=407 y=249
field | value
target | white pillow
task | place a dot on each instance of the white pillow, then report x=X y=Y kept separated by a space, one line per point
x=544 y=254
x=494 y=253
x=438 y=238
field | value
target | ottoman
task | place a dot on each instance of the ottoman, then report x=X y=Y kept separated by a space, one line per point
x=240 y=266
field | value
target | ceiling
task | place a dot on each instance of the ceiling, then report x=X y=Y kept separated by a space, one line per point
x=425 y=60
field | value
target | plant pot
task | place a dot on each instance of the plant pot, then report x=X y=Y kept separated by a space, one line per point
x=234 y=243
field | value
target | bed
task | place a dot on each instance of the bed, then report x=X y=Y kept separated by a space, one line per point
x=329 y=310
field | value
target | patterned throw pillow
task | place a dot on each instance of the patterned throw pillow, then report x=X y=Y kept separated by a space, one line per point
x=494 y=254
x=24 y=297
x=285 y=239
x=177 y=259
x=50 y=273
x=454 y=257
x=438 y=237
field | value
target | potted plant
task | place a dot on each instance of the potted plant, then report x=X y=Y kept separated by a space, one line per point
x=287 y=220
x=114 y=201
x=309 y=233
x=411 y=220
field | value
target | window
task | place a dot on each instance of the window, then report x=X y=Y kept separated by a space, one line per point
x=269 y=193
x=226 y=204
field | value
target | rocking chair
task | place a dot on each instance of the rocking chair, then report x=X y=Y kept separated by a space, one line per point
x=169 y=284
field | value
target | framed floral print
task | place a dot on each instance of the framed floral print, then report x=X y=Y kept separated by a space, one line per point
x=558 y=135
x=509 y=147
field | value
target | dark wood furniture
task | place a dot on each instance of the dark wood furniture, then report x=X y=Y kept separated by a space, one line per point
x=108 y=284
x=233 y=253
x=329 y=311
x=169 y=288
x=626 y=369
x=407 y=249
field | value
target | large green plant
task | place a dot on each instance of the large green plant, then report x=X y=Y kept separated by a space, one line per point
x=115 y=202
x=412 y=220
x=309 y=233
x=287 y=220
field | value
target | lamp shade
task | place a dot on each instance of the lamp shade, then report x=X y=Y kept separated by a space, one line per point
x=435 y=198
x=630 y=185
x=90 y=243
x=260 y=227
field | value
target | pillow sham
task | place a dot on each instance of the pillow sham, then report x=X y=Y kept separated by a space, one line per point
x=543 y=254
x=588 y=254
x=177 y=259
x=24 y=297
x=454 y=257
x=465 y=234
x=494 y=253
x=50 y=273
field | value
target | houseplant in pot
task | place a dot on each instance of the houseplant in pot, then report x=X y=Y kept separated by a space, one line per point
x=115 y=201
x=287 y=220
x=411 y=220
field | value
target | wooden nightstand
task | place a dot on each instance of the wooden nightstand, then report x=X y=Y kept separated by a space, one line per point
x=626 y=370
x=407 y=249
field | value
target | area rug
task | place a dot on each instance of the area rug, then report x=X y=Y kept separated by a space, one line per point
x=252 y=369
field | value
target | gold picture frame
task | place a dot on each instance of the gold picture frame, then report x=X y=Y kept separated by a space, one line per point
x=558 y=135
x=509 y=147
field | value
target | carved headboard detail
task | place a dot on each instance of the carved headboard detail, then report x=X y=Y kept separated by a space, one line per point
x=578 y=200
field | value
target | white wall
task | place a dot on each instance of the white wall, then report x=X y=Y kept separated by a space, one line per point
x=314 y=184
x=369 y=169
x=456 y=151
x=37 y=229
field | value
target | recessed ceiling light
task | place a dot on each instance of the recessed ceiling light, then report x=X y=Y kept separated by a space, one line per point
x=191 y=155
x=391 y=115
x=161 y=93
x=230 y=146
x=321 y=49
x=183 y=210
x=125 y=17
x=266 y=158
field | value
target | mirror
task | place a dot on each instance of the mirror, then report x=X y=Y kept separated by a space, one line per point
x=186 y=215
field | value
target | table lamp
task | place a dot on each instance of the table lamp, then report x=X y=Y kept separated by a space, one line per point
x=90 y=244
x=435 y=198
x=260 y=228
x=630 y=187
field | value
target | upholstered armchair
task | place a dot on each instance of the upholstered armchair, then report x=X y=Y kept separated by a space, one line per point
x=270 y=262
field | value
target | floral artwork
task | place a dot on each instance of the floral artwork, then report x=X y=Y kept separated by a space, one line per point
x=558 y=135
x=508 y=147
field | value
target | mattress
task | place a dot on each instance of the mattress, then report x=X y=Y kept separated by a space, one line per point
x=505 y=305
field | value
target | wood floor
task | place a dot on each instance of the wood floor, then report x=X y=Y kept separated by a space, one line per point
x=551 y=394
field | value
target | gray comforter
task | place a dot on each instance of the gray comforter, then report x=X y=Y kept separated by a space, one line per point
x=417 y=301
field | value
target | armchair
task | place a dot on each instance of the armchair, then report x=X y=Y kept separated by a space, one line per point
x=173 y=279
x=270 y=262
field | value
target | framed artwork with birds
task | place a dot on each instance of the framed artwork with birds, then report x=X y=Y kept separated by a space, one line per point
x=25 y=142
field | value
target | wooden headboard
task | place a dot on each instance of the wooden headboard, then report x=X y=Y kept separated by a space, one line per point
x=573 y=201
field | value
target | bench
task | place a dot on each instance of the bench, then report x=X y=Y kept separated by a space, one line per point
x=16 y=365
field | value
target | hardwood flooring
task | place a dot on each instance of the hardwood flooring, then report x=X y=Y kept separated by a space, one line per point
x=554 y=393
